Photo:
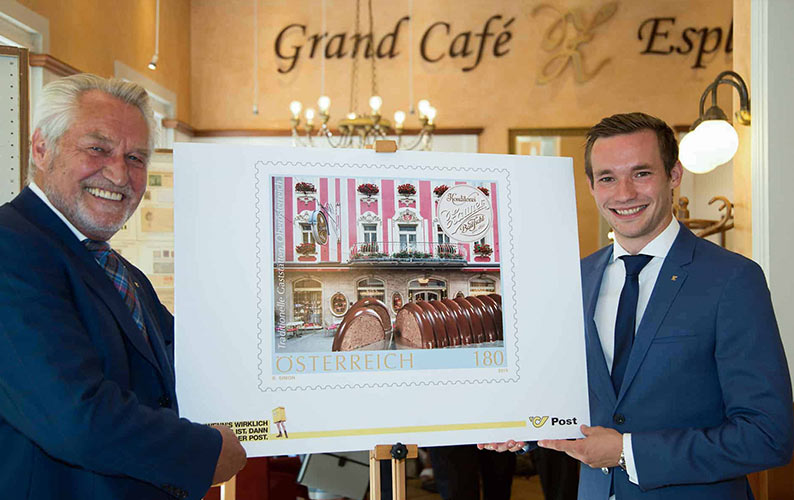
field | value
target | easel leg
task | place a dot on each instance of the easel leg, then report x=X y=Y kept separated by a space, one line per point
x=374 y=476
x=229 y=489
x=398 y=478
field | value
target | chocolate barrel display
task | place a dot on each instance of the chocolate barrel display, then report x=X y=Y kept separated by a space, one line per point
x=461 y=320
x=439 y=326
x=488 y=323
x=359 y=328
x=496 y=313
x=414 y=328
x=475 y=320
x=423 y=324
x=453 y=335
x=377 y=306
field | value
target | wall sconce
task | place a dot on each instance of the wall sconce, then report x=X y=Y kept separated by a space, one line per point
x=712 y=140
x=153 y=63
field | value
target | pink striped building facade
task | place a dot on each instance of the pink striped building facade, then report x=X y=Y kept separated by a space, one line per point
x=383 y=224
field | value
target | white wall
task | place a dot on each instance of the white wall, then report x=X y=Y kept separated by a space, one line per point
x=464 y=143
x=773 y=155
x=700 y=188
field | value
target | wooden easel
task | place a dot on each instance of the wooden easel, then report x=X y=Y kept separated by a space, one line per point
x=397 y=454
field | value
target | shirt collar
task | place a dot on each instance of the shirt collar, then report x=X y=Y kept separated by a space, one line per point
x=36 y=189
x=657 y=247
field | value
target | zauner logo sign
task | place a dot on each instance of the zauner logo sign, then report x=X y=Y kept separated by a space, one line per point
x=538 y=422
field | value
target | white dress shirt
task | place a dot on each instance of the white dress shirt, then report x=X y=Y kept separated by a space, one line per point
x=607 y=306
x=36 y=189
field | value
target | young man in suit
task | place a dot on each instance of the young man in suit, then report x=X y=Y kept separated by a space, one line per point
x=88 y=408
x=688 y=383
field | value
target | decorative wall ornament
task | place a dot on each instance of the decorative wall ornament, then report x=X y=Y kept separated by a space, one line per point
x=564 y=44
x=396 y=301
x=407 y=216
x=306 y=198
x=369 y=217
x=339 y=304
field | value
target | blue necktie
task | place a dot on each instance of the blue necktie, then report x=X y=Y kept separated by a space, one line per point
x=120 y=277
x=627 y=316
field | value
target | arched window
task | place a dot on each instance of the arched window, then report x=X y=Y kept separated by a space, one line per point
x=371 y=287
x=307 y=302
x=482 y=286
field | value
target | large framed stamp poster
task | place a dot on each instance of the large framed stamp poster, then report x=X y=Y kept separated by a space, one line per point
x=331 y=300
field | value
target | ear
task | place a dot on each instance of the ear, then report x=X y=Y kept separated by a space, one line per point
x=675 y=174
x=39 y=150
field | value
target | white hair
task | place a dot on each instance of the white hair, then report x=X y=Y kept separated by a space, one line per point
x=58 y=102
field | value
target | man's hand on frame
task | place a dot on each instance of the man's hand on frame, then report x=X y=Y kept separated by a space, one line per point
x=232 y=458
x=601 y=447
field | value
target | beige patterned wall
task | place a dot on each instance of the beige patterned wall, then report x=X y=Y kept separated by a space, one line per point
x=500 y=93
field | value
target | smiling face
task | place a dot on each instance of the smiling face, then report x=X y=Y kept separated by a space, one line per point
x=630 y=187
x=95 y=174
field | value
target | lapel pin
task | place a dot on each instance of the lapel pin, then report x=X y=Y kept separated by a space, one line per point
x=675 y=277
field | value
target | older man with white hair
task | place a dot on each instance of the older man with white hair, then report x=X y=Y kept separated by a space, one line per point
x=88 y=408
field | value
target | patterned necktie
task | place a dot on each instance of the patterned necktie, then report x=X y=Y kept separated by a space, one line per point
x=120 y=277
x=625 y=324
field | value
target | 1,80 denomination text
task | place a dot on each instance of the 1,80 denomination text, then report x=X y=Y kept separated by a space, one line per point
x=489 y=358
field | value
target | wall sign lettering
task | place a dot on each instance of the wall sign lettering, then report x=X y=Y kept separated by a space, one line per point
x=567 y=33
x=656 y=31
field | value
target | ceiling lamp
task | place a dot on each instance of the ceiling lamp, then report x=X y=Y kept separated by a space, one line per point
x=712 y=140
x=153 y=62
x=360 y=129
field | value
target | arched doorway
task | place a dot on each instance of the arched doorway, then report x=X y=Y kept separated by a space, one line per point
x=307 y=302
x=427 y=289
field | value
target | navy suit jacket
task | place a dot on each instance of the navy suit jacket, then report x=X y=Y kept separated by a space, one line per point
x=88 y=408
x=706 y=394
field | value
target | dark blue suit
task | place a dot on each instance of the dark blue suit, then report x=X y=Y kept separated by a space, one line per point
x=87 y=406
x=706 y=394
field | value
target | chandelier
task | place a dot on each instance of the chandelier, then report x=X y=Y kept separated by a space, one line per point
x=360 y=129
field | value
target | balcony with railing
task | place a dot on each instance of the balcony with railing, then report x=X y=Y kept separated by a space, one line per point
x=407 y=253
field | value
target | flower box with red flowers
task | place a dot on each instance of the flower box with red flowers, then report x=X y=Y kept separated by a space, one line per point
x=484 y=190
x=306 y=249
x=368 y=189
x=440 y=190
x=406 y=189
x=483 y=249
x=305 y=187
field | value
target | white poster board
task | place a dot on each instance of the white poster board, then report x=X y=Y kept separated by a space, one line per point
x=260 y=303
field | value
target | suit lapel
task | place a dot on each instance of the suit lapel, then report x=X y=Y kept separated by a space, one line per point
x=671 y=278
x=153 y=330
x=592 y=275
x=94 y=276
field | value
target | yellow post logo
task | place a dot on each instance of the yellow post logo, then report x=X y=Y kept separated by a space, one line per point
x=538 y=422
